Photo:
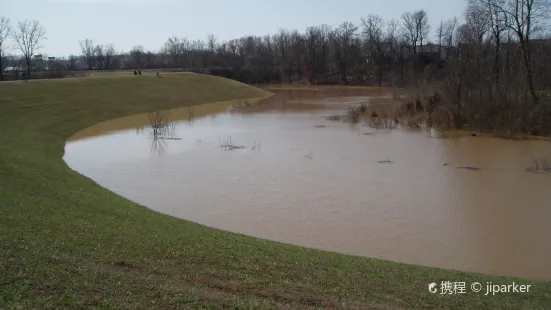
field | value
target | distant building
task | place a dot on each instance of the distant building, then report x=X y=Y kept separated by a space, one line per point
x=14 y=69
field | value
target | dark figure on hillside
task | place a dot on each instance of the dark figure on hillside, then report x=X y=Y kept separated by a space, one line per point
x=135 y=73
x=140 y=72
x=158 y=73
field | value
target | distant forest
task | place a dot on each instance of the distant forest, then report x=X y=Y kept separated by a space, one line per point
x=492 y=72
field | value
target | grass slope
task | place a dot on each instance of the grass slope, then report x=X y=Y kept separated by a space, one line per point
x=67 y=243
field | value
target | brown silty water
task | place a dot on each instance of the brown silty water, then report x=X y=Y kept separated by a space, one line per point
x=399 y=195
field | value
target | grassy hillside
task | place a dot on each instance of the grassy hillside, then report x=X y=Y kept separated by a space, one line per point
x=67 y=243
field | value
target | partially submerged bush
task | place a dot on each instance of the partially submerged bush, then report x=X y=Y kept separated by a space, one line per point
x=160 y=126
x=255 y=146
x=227 y=144
x=541 y=164
x=354 y=114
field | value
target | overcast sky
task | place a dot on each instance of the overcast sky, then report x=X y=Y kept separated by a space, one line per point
x=126 y=23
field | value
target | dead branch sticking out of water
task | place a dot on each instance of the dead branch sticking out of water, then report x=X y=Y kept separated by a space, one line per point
x=171 y=131
x=354 y=113
x=161 y=128
x=227 y=144
x=158 y=122
x=255 y=146
x=540 y=164
x=387 y=161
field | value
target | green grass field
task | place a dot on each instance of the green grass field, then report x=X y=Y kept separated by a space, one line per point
x=65 y=242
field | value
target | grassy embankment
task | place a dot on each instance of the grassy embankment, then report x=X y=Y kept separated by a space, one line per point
x=65 y=242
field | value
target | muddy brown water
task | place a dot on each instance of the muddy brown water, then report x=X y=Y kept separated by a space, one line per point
x=399 y=195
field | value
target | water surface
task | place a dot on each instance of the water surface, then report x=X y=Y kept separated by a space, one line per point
x=398 y=195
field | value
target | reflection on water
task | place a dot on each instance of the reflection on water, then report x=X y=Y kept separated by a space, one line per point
x=393 y=194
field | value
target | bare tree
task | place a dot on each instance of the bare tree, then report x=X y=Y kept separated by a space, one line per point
x=448 y=33
x=390 y=38
x=99 y=57
x=298 y=49
x=72 y=62
x=212 y=42
x=421 y=26
x=117 y=60
x=477 y=24
x=176 y=48
x=109 y=53
x=195 y=56
x=29 y=36
x=390 y=34
x=528 y=17
x=150 y=59
x=266 y=53
x=137 y=53
x=498 y=22
x=440 y=37
x=344 y=41
x=317 y=51
x=282 y=42
x=313 y=40
x=4 y=34
x=373 y=34
x=172 y=48
x=415 y=28
x=409 y=30
x=89 y=52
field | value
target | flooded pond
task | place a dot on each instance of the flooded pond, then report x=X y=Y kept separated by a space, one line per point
x=464 y=203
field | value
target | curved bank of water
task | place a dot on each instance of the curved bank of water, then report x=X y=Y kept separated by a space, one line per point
x=398 y=195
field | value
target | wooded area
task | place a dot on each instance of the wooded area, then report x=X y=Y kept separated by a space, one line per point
x=490 y=72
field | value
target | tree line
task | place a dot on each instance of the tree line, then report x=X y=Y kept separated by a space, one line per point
x=491 y=71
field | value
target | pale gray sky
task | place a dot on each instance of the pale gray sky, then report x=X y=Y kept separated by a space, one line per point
x=126 y=23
